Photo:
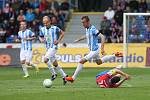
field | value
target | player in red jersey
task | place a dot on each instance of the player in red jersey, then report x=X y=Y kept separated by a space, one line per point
x=111 y=78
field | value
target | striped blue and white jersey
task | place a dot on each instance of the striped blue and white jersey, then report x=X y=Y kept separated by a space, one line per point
x=25 y=44
x=50 y=35
x=92 y=38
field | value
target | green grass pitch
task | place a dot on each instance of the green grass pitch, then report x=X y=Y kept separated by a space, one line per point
x=14 y=87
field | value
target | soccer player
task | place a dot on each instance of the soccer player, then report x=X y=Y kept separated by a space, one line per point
x=92 y=35
x=52 y=36
x=111 y=78
x=26 y=36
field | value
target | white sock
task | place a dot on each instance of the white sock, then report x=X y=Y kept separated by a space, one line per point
x=63 y=74
x=25 y=70
x=52 y=70
x=77 y=71
x=32 y=64
x=107 y=57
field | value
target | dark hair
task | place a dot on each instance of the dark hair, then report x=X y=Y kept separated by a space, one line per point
x=115 y=79
x=85 y=17
x=54 y=17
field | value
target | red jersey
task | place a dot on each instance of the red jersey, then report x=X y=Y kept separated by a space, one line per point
x=104 y=80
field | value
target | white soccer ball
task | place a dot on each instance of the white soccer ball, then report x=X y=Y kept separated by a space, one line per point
x=47 y=83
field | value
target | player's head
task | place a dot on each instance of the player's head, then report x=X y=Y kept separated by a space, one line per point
x=54 y=20
x=46 y=21
x=23 y=25
x=85 y=21
x=115 y=79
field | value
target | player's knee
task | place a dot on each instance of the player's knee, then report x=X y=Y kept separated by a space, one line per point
x=82 y=61
x=22 y=62
x=45 y=61
x=55 y=63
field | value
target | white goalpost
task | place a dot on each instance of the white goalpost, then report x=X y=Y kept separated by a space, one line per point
x=126 y=21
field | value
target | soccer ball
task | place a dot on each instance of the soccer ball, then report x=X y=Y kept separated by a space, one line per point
x=47 y=83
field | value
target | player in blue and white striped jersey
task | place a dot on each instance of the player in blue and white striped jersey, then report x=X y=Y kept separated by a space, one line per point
x=26 y=36
x=92 y=35
x=51 y=35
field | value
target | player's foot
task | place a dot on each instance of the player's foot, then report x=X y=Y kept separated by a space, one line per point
x=53 y=77
x=119 y=54
x=70 y=79
x=64 y=80
x=36 y=67
x=26 y=76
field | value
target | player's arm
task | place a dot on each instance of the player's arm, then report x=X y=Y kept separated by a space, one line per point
x=61 y=36
x=119 y=83
x=18 y=40
x=80 y=39
x=41 y=36
x=122 y=73
x=125 y=75
x=102 y=42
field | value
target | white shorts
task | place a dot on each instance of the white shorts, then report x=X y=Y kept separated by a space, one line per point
x=26 y=55
x=51 y=54
x=93 y=54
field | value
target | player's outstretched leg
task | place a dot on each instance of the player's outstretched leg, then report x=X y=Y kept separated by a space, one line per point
x=77 y=71
x=109 y=57
x=34 y=66
x=52 y=70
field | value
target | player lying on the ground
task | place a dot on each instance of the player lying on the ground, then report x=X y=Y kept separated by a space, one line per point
x=92 y=35
x=111 y=78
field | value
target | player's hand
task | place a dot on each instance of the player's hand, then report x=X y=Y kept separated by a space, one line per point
x=25 y=39
x=56 y=42
x=75 y=41
x=127 y=77
x=17 y=40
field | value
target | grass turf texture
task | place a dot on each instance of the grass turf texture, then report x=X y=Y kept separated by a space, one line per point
x=14 y=87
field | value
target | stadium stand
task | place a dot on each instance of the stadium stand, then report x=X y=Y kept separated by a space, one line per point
x=14 y=11
x=75 y=28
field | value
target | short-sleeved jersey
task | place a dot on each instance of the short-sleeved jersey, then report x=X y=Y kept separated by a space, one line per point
x=92 y=38
x=50 y=35
x=25 y=44
x=102 y=79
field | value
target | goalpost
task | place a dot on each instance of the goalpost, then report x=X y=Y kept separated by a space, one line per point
x=126 y=27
